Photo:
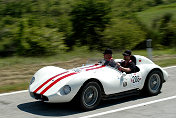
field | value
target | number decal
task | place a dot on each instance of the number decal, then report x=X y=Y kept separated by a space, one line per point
x=135 y=78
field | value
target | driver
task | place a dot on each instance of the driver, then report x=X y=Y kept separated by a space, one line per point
x=108 y=60
x=127 y=65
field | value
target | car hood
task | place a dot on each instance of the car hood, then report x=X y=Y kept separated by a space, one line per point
x=50 y=79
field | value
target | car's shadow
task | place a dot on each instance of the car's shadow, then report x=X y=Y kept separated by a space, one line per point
x=66 y=109
x=49 y=109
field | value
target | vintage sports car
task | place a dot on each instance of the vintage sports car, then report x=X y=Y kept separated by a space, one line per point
x=88 y=85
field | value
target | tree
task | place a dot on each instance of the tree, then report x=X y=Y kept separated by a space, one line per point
x=165 y=33
x=89 y=19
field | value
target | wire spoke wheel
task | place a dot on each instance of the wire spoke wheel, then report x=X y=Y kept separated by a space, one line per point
x=154 y=83
x=90 y=96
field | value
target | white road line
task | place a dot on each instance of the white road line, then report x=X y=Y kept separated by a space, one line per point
x=129 y=107
x=169 y=67
x=3 y=94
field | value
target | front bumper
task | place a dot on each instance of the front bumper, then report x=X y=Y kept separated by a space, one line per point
x=39 y=96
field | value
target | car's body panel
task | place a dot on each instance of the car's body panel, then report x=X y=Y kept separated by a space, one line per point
x=50 y=80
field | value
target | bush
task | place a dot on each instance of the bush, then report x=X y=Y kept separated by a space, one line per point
x=166 y=28
x=123 y=34
x=40 y=41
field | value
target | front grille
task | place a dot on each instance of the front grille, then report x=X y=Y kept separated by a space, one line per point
x=40 y=97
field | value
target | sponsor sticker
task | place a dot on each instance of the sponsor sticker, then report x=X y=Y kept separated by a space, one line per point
x=124 y=84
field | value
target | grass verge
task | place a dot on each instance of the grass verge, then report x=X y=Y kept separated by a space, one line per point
x=166 y=62
x=14 y=87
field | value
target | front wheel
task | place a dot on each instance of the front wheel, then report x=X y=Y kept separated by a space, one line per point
x=153 y=83
x=90 y=96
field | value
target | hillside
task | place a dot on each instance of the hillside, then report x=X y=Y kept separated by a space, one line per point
x=48 y=27
x=155 y=13
x=160 y=24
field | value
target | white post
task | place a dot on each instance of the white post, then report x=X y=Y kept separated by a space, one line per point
x=149 y=48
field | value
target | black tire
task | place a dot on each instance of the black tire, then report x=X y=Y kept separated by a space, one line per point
x=153 y=83
x=90 y=96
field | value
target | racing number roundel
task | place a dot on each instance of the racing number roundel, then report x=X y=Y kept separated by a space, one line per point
x=135 y=78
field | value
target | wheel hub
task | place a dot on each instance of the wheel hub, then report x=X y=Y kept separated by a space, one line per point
x=90 y=96
x=155 y=82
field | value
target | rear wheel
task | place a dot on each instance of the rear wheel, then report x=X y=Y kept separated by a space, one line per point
x=153 y=83
x=90 y=96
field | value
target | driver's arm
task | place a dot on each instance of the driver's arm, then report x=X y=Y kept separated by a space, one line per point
x=127 y=70
x=124 y=69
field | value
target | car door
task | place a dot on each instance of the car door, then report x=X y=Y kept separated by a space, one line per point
x=131 y=81
x=112 y=80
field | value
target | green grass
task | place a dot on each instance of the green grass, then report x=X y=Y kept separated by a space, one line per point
x=77 y=53
x=166 y=62
x=62 y=56
x=153 y=13
x=156 y=52
x=14 y=87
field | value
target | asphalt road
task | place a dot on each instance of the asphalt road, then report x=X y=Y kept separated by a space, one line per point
x=21 y=105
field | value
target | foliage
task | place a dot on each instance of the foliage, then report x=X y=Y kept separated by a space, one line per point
x=31 y=28
x=127 y=8
x=47 y=27
x=160 y=24
x=165 y=28
x=38 y=41
x=89 y=18
x=123 y=34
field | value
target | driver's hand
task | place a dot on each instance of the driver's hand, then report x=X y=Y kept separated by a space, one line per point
x=102 y=62
x=118 y=64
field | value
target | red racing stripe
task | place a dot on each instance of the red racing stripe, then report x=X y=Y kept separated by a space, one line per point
x=48 y=81
x=95 y=68
x=89 y=66
x=48 y=87
x=65 y=76
x=55 y=77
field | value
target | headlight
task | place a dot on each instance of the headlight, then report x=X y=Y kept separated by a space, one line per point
x=66 y=89
x=32 y=80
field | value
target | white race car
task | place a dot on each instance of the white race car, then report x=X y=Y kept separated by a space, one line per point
x=88 y=85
